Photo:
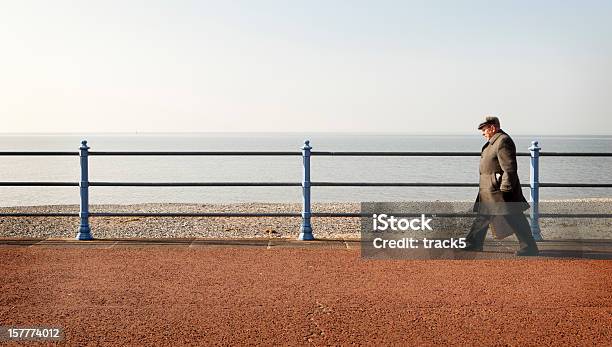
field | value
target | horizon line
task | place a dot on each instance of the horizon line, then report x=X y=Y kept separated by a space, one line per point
x=396 y=133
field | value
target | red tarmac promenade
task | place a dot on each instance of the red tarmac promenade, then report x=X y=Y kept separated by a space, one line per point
x=259 y=291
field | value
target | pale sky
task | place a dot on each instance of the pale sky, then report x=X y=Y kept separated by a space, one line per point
x=357 y=66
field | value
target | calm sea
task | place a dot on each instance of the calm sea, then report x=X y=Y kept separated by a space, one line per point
x=282 y=169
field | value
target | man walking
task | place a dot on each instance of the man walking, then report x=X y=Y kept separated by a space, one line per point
x=499 y=191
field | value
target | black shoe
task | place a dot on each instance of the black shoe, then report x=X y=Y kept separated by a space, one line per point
x=472 y=247
x=527 y=252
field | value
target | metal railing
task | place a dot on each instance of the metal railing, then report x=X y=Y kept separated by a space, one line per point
x=84 y=231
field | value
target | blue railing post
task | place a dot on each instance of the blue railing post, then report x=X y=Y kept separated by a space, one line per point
x=84 y=229
x=306 y=228
x=534 y=184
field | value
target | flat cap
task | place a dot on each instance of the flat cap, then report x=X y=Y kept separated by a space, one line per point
x=489 y=120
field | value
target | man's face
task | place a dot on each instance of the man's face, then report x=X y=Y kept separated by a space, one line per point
x=488 y=131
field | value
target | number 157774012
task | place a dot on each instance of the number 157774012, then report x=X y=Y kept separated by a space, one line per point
x=30 y=333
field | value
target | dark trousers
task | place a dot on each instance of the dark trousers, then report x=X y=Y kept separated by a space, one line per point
x=517 y=221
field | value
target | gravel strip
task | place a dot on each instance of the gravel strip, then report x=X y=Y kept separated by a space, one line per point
x=275 y=227
x=164 y=227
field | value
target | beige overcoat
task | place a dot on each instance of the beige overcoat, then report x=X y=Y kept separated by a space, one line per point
x=499 y=190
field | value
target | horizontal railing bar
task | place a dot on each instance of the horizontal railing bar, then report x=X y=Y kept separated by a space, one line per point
x=39 y=153
x=195 y=214
x=195 y=184
x=287 y=184
x=369 y=215
x=282 y=153
x=575 y=215
x=444 y=184
x=461 y=215
x=39 y=214
x=144 y=214
x=399 y=154
x=39 y=184
x=576 y=154
x=577 y=185
x=220 y=153
x=392 y=184
x=280 y=214
x=455 y=154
